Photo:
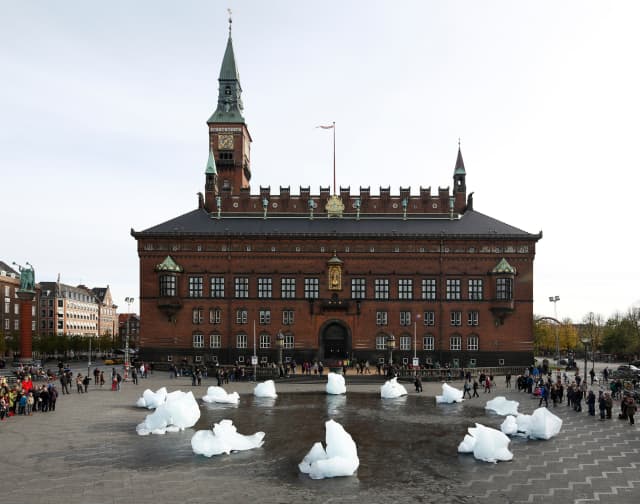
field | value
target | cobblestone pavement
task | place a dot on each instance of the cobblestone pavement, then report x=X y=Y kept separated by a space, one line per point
x=75 y=455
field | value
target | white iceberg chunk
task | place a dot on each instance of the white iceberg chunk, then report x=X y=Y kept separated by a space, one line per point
x=392 y=389
x=509 y=426
x=487 y=444
x=542 y=424
x=179 y=413
x=502 y=406
x=219 y=395
x=339 y=459
x=265 y=389
x=224 y=438
x=151 y=399
x=335 y=384
x=449 y=395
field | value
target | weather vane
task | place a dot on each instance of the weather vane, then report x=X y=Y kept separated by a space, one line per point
x=230 y=20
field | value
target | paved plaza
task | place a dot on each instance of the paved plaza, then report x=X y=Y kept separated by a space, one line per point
x=87 y=452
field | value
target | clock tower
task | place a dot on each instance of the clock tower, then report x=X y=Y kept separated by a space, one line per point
x=229 y=138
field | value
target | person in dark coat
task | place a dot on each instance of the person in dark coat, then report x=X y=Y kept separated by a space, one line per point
x=591 y=403
x=602 y=405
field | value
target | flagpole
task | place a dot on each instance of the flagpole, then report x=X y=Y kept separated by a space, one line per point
x=334 y=157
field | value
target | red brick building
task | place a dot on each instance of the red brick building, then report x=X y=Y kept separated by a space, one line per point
x=330 y=275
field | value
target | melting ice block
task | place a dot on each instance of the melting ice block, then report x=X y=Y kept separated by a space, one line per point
x=265 y=389
x=339 y=459
x=224 y=438
x=449 y=395
x=219 y=395
x=392 y=389
x=502 y=406
x=542 y=424
x=486 y=444
x=178 y=413
x=335 y=384
x=152 y=399
x=509 y=426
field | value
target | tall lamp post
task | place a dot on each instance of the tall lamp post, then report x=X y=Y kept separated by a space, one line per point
x=127 y=300
x=585 y=342
x=391 y=344
x=280 y=345
x=554 y=300
x=415 y=342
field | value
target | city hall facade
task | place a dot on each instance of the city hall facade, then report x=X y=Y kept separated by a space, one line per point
x=332 y=274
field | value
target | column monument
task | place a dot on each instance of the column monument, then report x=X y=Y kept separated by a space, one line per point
x=26 y=293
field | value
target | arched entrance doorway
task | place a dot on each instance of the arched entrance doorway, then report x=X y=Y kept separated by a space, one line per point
x=335 y=341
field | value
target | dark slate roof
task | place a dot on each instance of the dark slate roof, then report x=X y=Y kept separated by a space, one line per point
x=201 y=223
x=5 y=267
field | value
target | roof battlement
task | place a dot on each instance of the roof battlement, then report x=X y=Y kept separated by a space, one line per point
x=386 y=202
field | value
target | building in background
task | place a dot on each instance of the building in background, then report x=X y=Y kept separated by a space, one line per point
x=129 y=323
x=10 y=313
x=331 y=275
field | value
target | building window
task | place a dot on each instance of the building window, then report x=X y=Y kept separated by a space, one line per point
x=288 y=342
x=196 y=316
x=429 y=289
x=287 y=317
x=381 y=342
x=168 y=285
x=217 y=287
x=472 y=318
x=241 y=316
x=358 y=288
x=242 y=287
x=429 y=318
x=265 y=341
x=16 y=324
x=453 y=289
x=215 y=341
x=265 y=317
x=475 y=289
x=427 y=343
x=405 y=342
x=405 y=318
x=241 y=341
x=455 y=343
x=288 y=288
x=381 y=288
x=504 y=289
x=405 y=288
x=472 y=343
x=456 y=318
x=265 y=287
x=215 y=316
x=311 y=288
x=198 y=340
x=381 y=318
x=195 y=286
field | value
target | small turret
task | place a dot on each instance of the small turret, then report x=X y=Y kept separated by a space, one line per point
x=459 y=183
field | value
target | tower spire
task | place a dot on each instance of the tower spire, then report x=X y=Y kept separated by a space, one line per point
x=459 y=173
x=229 y=109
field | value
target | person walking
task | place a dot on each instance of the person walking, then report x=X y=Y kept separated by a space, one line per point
x=591 y=403
x=630 y=408
x=418 y=383
x=544 y=396
x=602 y=405
x=475 y=389
x=467 y=388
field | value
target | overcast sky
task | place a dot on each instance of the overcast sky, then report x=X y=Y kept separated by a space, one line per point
x=103 y=109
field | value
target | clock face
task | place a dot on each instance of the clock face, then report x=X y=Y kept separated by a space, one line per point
x=225 y=142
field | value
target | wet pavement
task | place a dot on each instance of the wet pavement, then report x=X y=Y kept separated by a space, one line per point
x=88 y=451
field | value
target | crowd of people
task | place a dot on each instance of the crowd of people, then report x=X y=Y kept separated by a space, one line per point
x=26 y=397
x=576 y=390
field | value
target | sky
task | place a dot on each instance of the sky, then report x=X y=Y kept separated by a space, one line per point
x=104 y=108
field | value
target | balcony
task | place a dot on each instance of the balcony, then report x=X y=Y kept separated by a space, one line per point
x=169 y=306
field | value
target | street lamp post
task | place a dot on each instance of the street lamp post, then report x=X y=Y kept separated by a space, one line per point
x=280 y=345
x=391 y=343
x=585 y=342
x=89 y=361
x=127 y=300
x=554 y=300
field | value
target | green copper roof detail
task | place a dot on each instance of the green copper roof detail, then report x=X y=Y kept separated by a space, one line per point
x=229 y=109
x=169 y=265
x=504 y=268
x=229 y=70
x=459 y=169
x=211 y=164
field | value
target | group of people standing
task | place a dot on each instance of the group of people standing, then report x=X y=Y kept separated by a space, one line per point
x=24 y=398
